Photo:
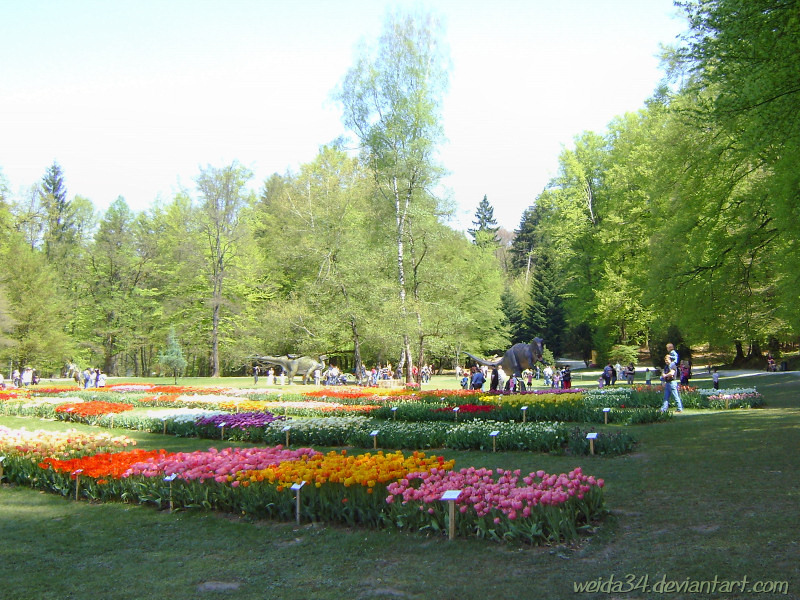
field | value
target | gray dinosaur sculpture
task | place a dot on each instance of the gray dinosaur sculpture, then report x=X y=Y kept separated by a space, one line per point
x=517 y=358
x=293 y=364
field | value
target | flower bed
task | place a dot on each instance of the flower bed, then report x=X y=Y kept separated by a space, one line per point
x=219 y=465
x=84 y=410
x=653 y=397
x=547 y=508
x=373 y=489
x=24 y=449
x=39 y=444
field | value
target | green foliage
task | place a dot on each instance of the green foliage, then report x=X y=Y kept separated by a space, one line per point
x=548 y=357
x=172 y=357
x=624 y=354
x=685 y=213
x=660 y=337
x=579 y=340
x=544 y=315
x=513 y=318
x=37 y=313
x=484 y=234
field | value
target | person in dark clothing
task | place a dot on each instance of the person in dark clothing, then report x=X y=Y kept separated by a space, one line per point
x=494 y=383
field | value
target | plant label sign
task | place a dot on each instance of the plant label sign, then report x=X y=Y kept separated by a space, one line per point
x=591 y=437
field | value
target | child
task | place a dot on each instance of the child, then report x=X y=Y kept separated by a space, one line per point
x=648 y=376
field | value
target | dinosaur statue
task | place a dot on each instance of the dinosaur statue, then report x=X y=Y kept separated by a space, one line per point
x=293 y=364
x=517 y=358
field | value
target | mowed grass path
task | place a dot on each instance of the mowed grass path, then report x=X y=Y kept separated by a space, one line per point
x=707 y=495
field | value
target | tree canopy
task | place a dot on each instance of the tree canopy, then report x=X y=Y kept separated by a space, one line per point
x=680 y=221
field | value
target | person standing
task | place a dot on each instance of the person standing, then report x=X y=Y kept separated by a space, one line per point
x=477 y=379
x=616 y=372
x=494 y=382
x=715 y=378
x=465 y=381
x=685 y=372
x=648 y=376
x=566 y=378
x=670 y=378
x=548 y=376
x=256 y=370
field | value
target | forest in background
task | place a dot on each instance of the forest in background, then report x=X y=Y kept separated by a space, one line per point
x=679 y=221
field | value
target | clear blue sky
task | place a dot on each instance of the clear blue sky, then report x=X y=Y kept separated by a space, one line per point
x=132 y=98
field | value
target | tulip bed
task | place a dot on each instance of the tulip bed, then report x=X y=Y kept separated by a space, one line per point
x=347 y=417
x=554 y=405
x=463 y=420
x=651 y=397
x=546 y=509
x=374 y=489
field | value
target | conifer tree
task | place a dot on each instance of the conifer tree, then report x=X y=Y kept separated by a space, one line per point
x=484 y=234
x=544 y=316
x=172 y=357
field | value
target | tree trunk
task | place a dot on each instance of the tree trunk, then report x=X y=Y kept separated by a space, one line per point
x=739 y=358
x=755 y=351
x=214 y=363
x=420 y=358
x=356 y=349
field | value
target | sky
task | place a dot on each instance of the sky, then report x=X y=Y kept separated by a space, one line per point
x=132 y=99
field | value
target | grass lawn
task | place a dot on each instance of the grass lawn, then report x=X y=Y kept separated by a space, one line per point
x=707 y=495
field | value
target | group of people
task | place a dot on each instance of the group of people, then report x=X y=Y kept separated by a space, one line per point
x=612 y=373
x=28 y=376
x=379 y=372
x=559 y=378
x=475 y=378
x=92 y=378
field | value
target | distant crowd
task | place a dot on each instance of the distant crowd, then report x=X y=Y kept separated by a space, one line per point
x=475 y=378
x=28 y=376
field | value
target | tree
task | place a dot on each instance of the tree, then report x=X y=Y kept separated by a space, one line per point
x=392 y=100
x=222 y=195
x=544 y=314
x=36 y=312
x=525 y=240
x=111 y=313
x=736 y=116
x=513 y=318
x=172 y=357
x=330 y=276
x=579 y=339
x=484 y=234
x=59 y=232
